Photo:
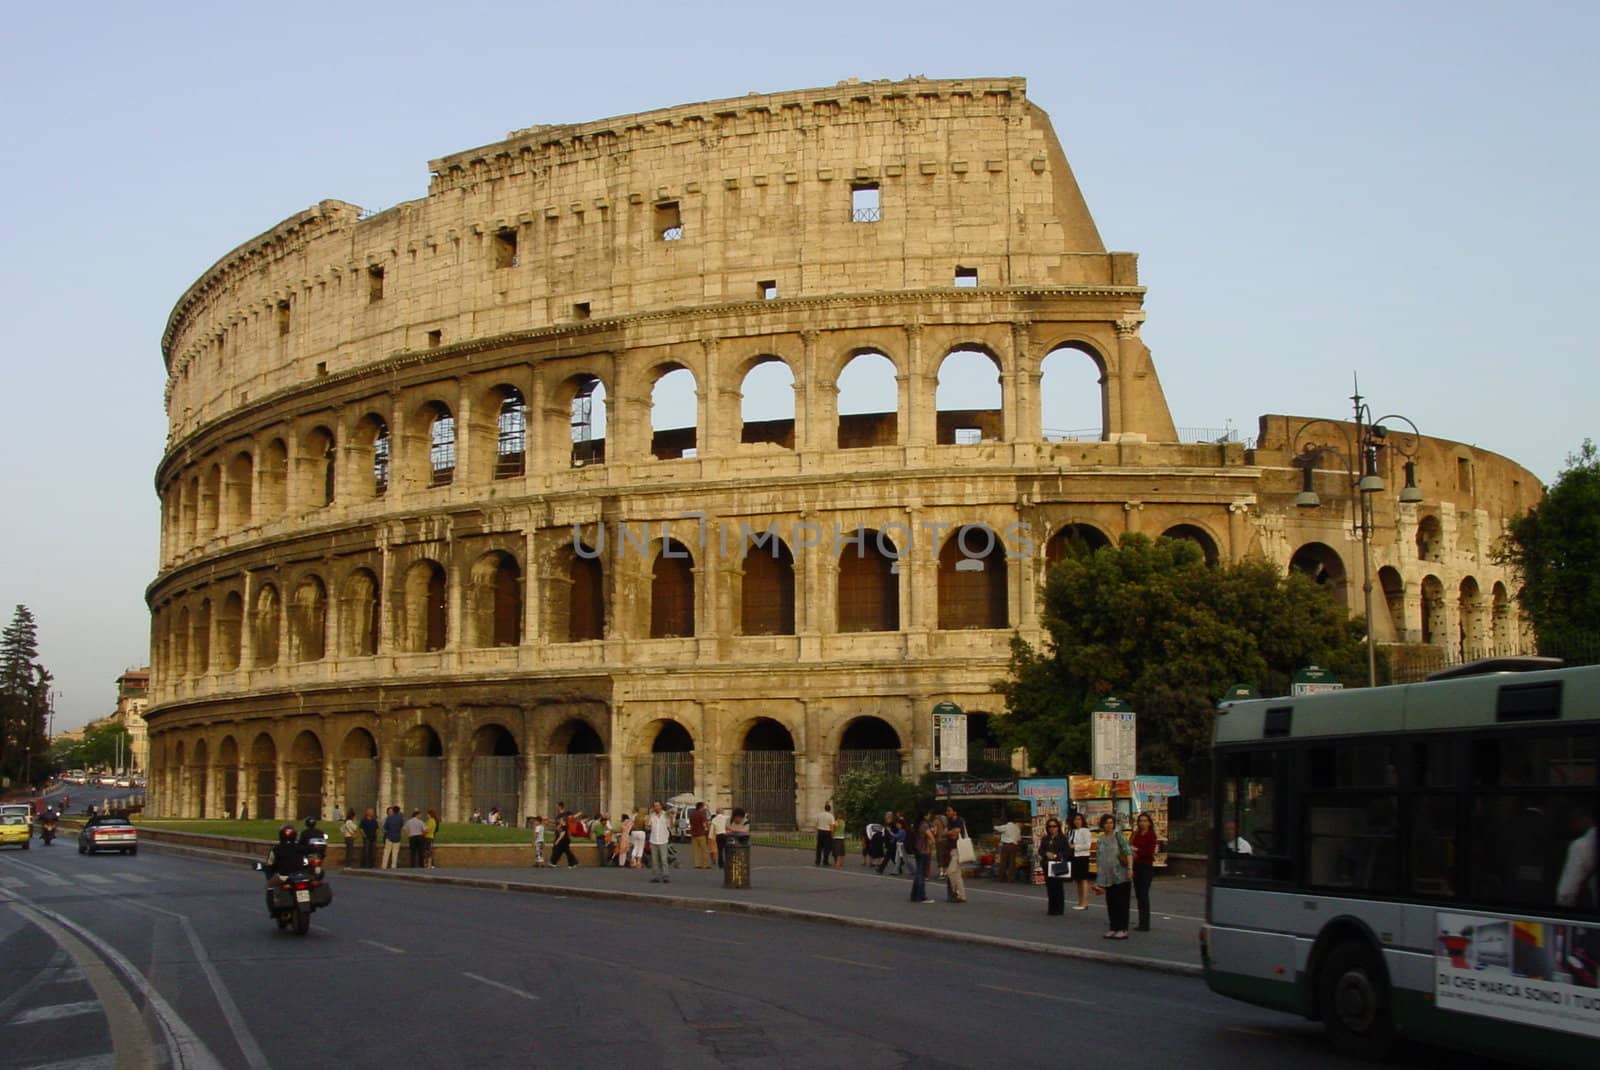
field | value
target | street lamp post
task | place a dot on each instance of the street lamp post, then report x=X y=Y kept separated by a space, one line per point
x=1372 y=437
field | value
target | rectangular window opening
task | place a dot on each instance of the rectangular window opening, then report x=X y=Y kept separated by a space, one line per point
x=864 y=204
x=967 y=278
x=375 y=283
x=505 y=248
x=283 y=317
x=1464 y=474
x=669 y=222
x=768 y=289
x=435 y=339
x=322 y=367
x=580 y=310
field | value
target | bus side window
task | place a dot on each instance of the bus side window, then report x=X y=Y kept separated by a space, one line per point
x=1249 y=841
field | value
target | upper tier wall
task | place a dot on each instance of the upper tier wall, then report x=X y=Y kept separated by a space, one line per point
x=557 y=224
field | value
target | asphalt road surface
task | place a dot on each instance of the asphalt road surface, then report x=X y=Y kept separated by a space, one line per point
x=164 y=961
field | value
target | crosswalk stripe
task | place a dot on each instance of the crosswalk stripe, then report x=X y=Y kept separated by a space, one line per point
x=11 y=882
x=50 y=1014
x=93 y=878
x=134 y=878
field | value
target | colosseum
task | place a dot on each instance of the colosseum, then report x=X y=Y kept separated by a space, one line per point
x=634 y=460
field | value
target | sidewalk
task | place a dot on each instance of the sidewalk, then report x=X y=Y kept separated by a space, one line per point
x=785 y=883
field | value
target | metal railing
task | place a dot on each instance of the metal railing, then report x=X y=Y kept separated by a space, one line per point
x=1214 y=434
x=866 y=215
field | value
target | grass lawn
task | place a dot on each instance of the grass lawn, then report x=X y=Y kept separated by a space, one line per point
x=268 y=830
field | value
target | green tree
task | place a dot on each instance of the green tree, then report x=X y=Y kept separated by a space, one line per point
x=1555 y=548
x=865 y=795
x=1150 y=622
x=24 y=701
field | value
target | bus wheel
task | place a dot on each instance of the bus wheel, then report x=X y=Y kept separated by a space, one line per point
x=1354 y=998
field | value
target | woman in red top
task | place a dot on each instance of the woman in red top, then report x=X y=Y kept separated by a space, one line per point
x=1144 y=844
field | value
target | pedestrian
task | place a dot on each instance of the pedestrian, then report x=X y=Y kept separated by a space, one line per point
x=825 y=823
x=349 y=829
x=1010 y=845
x=393 y=826
x=416 y=832
x=719 y=836
x=369 y=838
x=636 y=841
x=564 y=822
x=600 y=829
x=1055 y=848
x=839 y=843
x=538 y=841
x=922 y=846
x=1112 y=879
x=955 y=829
x=1081 y=842
x=699 y=831
x=902 y=851
x=430 y=830
x=873 y=839
x=1144 y=865
x=624 y=838
x=660 y=837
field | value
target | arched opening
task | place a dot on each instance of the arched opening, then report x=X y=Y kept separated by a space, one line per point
x=674 y=413
x=766 y=403
x=202 y=638
x=972 y=579
x=179 y=787
x=228 y=774
x=421 y=769
x=1500 y=621
x=1433 y=632
x=441 y=426
x=869 y=583
x=360 y=754
x=306 y=757
x=1073 y=540
x=180 y=644
x=200 y=779
x=274 y=480
x=588 y=420
x=264 y=769
x=577 y=754
x=869 y=402
x=1197 y=535
x=264 y=626
x=496 y=600
x=1472 y=620
x=1072 y=396
x=1430 y=539
x=308 y=621
x=982 y=745
x=1323 y=565
x=969 y=399
x=764 y=776
x=423 y=608
x=191 y=512
x=211 y=501
x=577 y=612
x=369 y=460
x=672 y=591
x=1394 y=602
x=238 y=489
x=511 y=433
x=668 y=771
x=496 y=772
x=359 y=609
x=869 y=743
x=766 y=595
x=230 y=631
x=318 y=464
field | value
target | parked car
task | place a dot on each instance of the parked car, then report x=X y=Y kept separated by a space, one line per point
x=124 y=782
x=106 y=780
x=109 y=834
x=15 y=831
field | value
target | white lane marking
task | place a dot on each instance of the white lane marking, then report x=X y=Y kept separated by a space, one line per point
x=382 y=947
x=12 y=882
x=94 y=878
x=105 y=1061
x=42 y=875
x=499 y=985
x=851 y=962
x=1039 y=995
x=59 y=1010
x=134 y=878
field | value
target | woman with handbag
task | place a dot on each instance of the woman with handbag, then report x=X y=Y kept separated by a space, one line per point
x=1112 y=877
x=1080 y=842
x=1145 y=845
x=955 y=831
x=1054 y=851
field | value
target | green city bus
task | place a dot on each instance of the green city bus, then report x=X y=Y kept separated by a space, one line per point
x=1415 y=860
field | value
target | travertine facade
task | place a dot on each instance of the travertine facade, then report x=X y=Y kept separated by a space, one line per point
x=423 y=541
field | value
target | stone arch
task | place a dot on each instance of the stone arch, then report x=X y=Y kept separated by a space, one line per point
x=1199 y=536
x=359 y=752
x=230 y=631
x=228 y=776
x=191 y=511
x=180 y=644
x=496 y=771
x=1323 y=565
x=308 y=620
x=1393 y=587
x=1501 y=622
x=495 y=601
x=868 y=403
x=264 y=775
x=211 y=501
x=1472 y=620
x=238 y=487
x=972 y=579
x=764 y=780
x=581 y=418
x=305 y=759
x=766 y=589
x=1073 y=540
x=576 y=760
x=202 y=638
x=370 y=457
x=439 y=431
x=869 y=583
x=1433 y=611
x=1430 y=539
x=1074 y=405
x=424 y=605
x=767 y=401
x=969 y=397
x=421 y=769
x=274 y=479
x=674 y=411
x=178 y=785
x=500 y=434
x=667 y=770
x=671 y=591
x=575 y=611
x=869 y=742
x=360 y=609
x=264 y=626
x=200 y=779
x=318 y=468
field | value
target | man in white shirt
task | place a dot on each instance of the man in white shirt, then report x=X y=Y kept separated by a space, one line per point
x=1010 y=844
x=825 y=835
x=1578 y=883
x=719 y=831
x=660 y=837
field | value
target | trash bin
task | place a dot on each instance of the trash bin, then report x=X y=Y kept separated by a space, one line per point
x=736 y=862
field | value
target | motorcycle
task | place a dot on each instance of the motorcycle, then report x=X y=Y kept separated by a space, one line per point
x=293 y=896
x=47 y=830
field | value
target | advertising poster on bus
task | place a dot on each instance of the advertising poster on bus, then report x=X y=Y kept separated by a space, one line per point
x=1533 y=972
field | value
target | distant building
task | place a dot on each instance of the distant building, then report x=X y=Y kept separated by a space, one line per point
x=133 y=698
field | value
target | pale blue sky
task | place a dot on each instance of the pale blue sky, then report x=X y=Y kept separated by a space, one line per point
x=1404 y=190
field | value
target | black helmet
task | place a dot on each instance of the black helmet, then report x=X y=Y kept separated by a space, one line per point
x=286 y=834
x=311 y=822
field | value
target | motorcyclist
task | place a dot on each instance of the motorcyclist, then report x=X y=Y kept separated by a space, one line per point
x=47 y=824
x=286 y=856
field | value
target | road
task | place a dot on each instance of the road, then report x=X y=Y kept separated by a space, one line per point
x=398 y=973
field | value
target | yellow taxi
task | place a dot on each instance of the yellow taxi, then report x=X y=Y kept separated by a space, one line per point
x=15 y=831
